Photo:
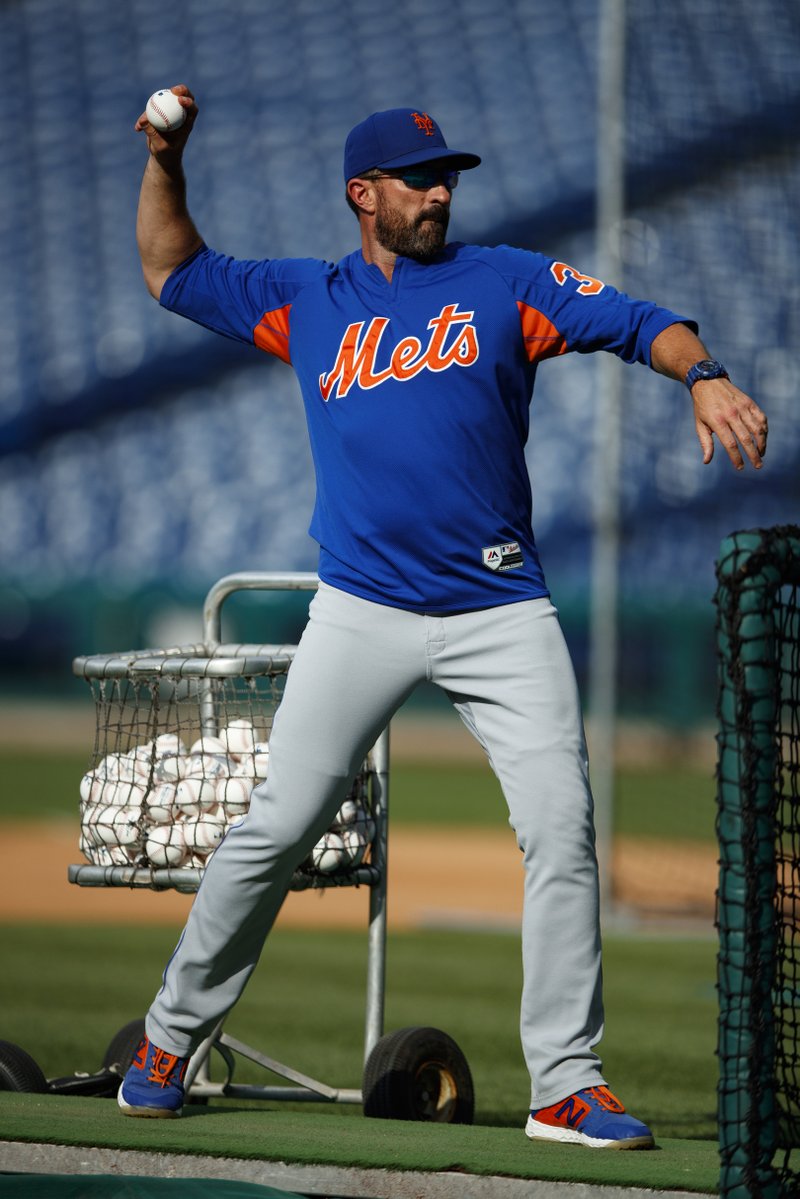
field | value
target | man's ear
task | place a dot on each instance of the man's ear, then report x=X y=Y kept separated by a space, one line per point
x=361 y=193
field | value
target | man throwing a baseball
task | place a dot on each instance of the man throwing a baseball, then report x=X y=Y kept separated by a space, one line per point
x=416 y=358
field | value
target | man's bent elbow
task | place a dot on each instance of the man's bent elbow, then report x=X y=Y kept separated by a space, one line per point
x=157 y=268
x=154 y=281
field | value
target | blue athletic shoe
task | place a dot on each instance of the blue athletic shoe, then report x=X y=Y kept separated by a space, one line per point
x=154 y=1084
x=592 y=1117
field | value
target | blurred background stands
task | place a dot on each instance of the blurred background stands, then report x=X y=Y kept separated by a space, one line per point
x=141 y=458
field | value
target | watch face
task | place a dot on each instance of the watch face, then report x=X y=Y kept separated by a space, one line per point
x=707 y=368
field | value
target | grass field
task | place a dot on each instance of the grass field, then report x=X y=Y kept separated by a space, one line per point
x=676 y=803
x=66 y=990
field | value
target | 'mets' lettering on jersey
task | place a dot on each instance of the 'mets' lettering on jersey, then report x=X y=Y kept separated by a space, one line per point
x=453 y=342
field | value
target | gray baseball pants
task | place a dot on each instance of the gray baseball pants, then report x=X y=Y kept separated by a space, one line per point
x=508 y=673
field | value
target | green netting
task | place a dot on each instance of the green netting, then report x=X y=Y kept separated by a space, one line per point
x=758 y=825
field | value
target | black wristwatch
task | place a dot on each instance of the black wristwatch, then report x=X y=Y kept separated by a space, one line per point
x=707 y=368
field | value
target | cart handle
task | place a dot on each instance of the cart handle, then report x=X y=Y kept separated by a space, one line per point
x=255 y=580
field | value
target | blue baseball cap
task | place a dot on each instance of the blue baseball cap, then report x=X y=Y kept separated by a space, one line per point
x=400 y=137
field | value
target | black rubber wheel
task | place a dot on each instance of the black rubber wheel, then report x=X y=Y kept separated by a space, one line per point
x=418 y=1074
x=122 y=1046
x=18 y=1070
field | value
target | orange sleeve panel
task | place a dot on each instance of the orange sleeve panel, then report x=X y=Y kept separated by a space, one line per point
x=542 y=339
x=271 y=334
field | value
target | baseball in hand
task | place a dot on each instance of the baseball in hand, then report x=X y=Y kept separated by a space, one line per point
x=165 y=111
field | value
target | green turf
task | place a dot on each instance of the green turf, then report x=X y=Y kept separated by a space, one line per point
x=675 y=802
x=230 y=1131
x=120 y=1186
x=65 y=991
x=40 y=785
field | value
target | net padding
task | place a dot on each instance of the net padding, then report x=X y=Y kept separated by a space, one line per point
x=758 y=825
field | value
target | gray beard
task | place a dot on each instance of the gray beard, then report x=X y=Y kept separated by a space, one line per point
x=423 y=238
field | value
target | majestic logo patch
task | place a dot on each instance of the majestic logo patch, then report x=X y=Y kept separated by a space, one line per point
x=453 y=342
x=503 y=557
x=423 y=122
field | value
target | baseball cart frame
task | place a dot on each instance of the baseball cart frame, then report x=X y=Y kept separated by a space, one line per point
x=149 y=819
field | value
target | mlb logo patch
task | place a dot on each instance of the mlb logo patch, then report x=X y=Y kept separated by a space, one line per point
x=503 y=557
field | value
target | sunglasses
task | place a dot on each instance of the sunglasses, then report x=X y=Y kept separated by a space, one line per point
x=423 y=179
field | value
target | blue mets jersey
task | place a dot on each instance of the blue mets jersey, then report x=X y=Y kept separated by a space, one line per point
x=417 y=394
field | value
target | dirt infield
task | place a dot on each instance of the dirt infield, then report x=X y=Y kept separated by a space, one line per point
x=437 y=877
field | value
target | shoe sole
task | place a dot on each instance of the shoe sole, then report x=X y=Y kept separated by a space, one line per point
x=151 y=1113
x=570 y=1136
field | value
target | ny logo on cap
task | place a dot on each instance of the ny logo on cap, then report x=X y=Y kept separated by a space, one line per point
x=424 y=123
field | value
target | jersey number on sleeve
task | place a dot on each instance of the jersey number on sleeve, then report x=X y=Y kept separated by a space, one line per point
x=587 y=286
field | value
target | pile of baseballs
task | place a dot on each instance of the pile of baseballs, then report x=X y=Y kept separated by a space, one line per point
x=345 y=845
x=164 y=803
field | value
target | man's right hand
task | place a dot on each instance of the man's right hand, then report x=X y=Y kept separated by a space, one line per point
x=165 y=232
x=164 y=146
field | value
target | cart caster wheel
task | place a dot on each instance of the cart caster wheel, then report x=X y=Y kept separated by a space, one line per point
x=418 y=1074
x=18 y=1070
x=122 y=1046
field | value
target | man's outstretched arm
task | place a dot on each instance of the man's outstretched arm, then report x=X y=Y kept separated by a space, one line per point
x=720 y=408
x=165 y=233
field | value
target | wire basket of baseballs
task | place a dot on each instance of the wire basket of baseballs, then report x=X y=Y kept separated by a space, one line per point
x=164 y=803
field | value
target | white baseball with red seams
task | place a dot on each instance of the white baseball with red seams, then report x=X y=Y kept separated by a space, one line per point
x=164 y=111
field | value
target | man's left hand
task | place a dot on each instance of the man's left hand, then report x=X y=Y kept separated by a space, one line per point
x=721 y=410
